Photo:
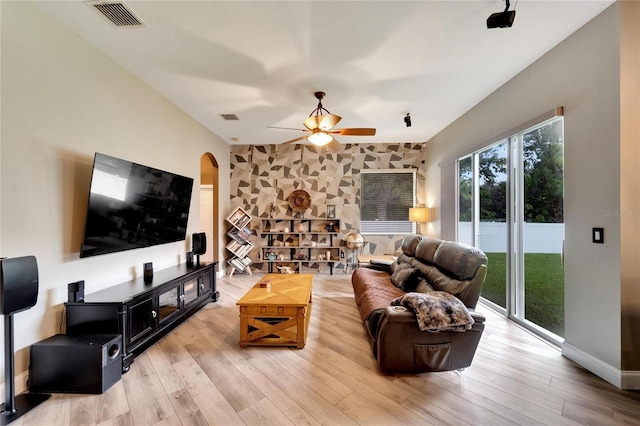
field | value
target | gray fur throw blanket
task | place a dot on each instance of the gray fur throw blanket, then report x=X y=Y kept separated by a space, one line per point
x=436 y=311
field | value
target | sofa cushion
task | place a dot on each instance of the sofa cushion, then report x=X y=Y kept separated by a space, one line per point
x=405 y=277
x=440 y=281
x=410 y=242
x=437 y=311
x=459 y=259
x=426 y=249
x=424 y=286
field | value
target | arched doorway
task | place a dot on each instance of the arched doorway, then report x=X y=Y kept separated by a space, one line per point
x=209 y=218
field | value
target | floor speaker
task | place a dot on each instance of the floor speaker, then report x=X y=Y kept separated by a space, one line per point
x=76 y=364
x=18 y=284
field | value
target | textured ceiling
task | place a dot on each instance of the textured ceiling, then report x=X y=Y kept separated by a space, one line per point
x=376 y=60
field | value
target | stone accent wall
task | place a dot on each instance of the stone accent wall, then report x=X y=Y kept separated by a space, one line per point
x=262 y=174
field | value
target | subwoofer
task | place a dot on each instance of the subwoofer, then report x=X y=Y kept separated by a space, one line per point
x=76 y=364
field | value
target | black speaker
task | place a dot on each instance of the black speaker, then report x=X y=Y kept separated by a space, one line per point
x=75 y=291
x=18 y=284
x=199 y=243
x=147 y=272
x=190 y=258
x=76 y=364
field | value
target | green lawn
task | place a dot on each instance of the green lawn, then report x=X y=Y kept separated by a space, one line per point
x=544 y=288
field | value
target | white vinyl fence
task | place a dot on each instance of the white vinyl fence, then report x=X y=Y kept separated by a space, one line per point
x=492 y=236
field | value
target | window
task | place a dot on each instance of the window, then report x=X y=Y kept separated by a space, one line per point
x=385 y=199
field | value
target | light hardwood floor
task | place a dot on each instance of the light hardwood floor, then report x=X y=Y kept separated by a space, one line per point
x=198 y=375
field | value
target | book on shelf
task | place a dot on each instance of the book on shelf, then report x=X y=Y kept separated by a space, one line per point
x=239 y=218
x=240 y=263
x=236 y=264
x=240 y=236
x=236 y=217
x=233 y=245
x=244 y=250
x=243 y=222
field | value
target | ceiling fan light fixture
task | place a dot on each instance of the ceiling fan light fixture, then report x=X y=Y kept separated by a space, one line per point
x=320 y=138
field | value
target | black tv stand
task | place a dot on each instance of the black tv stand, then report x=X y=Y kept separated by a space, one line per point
x=144 y=312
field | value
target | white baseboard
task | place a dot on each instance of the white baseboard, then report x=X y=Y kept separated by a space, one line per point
x=627 y=380
x=20 y=383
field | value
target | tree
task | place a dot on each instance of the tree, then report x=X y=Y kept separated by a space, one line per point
x=543 y=174
x=493 y=184
x=543 y=179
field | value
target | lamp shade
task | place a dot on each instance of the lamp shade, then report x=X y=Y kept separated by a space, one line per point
x=419 y=214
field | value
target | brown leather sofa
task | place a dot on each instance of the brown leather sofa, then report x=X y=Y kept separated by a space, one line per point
x=397 y=342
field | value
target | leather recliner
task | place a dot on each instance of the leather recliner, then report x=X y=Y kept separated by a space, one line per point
x=397 y=342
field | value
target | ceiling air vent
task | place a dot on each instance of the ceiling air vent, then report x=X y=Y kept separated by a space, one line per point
x=118 y=13
x=229 y=116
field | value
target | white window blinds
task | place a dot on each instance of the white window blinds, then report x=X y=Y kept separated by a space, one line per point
x=385 y=200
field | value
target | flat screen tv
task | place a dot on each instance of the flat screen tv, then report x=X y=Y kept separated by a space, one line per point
x=133 y=206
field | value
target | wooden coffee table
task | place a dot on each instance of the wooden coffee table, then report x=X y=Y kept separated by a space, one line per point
x=276 y=316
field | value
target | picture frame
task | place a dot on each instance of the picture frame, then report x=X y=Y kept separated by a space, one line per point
x=331 y=211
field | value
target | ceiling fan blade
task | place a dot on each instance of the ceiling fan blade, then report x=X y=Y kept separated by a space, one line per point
x=334 y=145
x=287 y=128
x=294 y=140
x=322 y=122
x=312 y=122
x=359 y=131
x=328 y=121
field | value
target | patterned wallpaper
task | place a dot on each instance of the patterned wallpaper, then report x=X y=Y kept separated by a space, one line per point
x=262 y=174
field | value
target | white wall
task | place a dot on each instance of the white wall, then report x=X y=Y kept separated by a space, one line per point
x=63 y=100
x=583 y=75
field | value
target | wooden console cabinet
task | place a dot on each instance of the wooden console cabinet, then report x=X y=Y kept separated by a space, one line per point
x=144 y=312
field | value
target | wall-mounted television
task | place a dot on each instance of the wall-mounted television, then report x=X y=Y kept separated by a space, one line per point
x=133 y=206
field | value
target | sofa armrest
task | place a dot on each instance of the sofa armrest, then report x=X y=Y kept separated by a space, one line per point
x=376 y=262
x=401 y=347
x=402 y=314
x=377 y=267
x=477 y=316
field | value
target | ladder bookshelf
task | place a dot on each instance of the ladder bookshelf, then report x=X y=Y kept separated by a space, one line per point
x=238 y=241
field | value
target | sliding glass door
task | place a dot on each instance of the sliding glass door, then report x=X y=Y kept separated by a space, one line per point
x=543 y=225
x=510 y=205
x=490 y=228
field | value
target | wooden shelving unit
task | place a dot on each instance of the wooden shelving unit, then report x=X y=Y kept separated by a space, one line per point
x=300 y=242
x=238 y=241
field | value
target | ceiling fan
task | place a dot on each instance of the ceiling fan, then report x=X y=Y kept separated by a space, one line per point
x=320 y=125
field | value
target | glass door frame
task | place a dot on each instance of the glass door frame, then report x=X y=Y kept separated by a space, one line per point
x=515 y=219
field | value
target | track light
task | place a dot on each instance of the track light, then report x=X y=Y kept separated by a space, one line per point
x=501 y=19
x=407 y=120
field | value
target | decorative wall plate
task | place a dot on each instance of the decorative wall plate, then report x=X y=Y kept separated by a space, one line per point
x=299 y=201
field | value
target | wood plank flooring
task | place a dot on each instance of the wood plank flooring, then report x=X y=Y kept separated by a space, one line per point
x=198 y=375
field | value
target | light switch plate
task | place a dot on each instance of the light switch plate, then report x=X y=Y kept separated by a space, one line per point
x=597 y=235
